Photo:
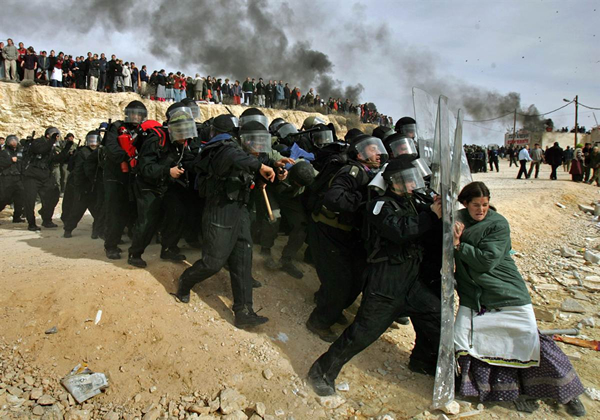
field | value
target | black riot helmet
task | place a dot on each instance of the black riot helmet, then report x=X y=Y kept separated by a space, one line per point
x=351 y=134
x=368 y=150
x=92 y=139
x=275 y=124
x=191 y=104
x=178 y=106
x=407 y=126
x=310 y=122
x=12 y=141
x=322 y=136
x=302 y=173
x=402 y=177
x=254 y=114
x=399 y=144
x=135 y=112
x=52 y=133
x=182 y=125
x=255 y=138
x=285 y=130
x=224 y=123
x=382 y=132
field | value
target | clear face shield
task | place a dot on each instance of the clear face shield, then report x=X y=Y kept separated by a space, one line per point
x=403 y=146
x=55 y=135
x=372 y=152
x=322 y=138
x=421 y=165
x=12 y=142
x=256 y=142
x=135 y=115
x=405 y=181
x=259 y=118
x=285 y=130
x=185 y=109
x=182 y=126
x=409 y=130
x=92 y=141
x=195 y=110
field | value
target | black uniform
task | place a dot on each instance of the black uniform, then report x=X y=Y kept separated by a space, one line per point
x=79 y=195
x=11 y=186
x=157 y=193
x=119 y=201
x=226 y=178
x=398 y=225
x=336 y=246
x=38 y=178
x=94 y=172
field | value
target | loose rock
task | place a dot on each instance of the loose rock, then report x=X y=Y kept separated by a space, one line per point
x=571 y=305
x=331 y=402
x=231 y=401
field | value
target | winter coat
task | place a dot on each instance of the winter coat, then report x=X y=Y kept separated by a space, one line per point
x=279 y=94
x=486 y=275
x=10 y=52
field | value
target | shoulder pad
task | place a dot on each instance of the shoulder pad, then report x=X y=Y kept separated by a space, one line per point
x=354 y=171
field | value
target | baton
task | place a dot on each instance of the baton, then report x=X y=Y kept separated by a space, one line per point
x=268 y=204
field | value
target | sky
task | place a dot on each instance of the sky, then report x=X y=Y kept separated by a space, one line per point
x=474 y=52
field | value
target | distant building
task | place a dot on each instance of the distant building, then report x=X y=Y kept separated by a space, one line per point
x=548 y=138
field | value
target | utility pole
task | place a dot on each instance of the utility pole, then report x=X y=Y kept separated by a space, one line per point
x=515 y=130
x=576 y=126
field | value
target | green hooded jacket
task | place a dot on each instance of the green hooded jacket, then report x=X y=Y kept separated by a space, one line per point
x=486 y=275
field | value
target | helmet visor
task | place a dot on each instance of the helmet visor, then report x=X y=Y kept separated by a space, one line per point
x=135 y=115
x=321 y=138
x=92 y=140
x=259 y=118
x=256 y=142
x=182 y=126
x=12 y=141
x=422 y=167
x=406 y=181
x=195 y=110
x=178 y=110
x=371 y=150
x=409 y=130
x=285 y=130
x=403 y=146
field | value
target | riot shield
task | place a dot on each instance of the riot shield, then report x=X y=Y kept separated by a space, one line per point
x=443 y=391
x=425 y=113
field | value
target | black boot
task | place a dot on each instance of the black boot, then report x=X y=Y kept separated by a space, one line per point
x=319 y=381
x=33 y=228
x=421 y=367
x=136 y=261
x=255 y=283
x=269 y=261
x=182 y=295
x=18 y=220
x=288 y=267
x=325 y=334
x=575 y=408
x=113 y=253
x=67 y=234
x=247 y=318
x=49 y=224
x=171 y=254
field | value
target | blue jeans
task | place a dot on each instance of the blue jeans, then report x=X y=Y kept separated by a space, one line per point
x=56 y=83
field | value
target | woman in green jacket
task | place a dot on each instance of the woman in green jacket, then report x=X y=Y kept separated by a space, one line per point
x=501 y=354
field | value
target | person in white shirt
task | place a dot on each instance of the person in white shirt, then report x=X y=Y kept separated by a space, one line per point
x=523 y=159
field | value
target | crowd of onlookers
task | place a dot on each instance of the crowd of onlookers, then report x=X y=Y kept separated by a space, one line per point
x=98 y=73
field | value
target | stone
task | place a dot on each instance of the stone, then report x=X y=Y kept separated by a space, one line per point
x=567 y=252
x=54 y=412
x=571 y=305
x=546 y=315
x=152 y=389
x=591 y=257
x=580 y=296
x=75 y=414
x=52 y=330
x=29 y=380
x=13 y=390
x=148 y=408
x=236 y=415
x=153 y=414
x=46 y=400
x=593 y=393
x=214 y=405
x=137 y=398
x=256 y=417
x=267 y=374
x=195 y=408
x=38 y=410
x=36 y=393
x=593 y=279
x=231 y=400
x=585 y=208
x=332 y=402
x=260 y=409
x=451 y=408
x=111 y=415
x=589 y=322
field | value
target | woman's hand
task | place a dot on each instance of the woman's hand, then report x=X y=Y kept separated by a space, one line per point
x=458 y=230
x=436 y=207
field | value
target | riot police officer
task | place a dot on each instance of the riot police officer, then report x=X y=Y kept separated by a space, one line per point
x=38 y=179
x=120 y=160
x=398 y=224
x=226 y=175
x=11 y=186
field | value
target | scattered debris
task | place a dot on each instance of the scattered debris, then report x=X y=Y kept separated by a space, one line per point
x=571 y=305
x=585 y=208
x=343 y=386
x=98 y=317
x=591 y=257
x=52 y=330
x=593 y=393
x=84 y=384
x=562 y=206
x=588 y=344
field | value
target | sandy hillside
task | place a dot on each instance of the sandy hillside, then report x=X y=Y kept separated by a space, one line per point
x=163 y=358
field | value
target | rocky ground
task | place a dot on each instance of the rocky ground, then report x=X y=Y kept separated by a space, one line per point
x=167 y=360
